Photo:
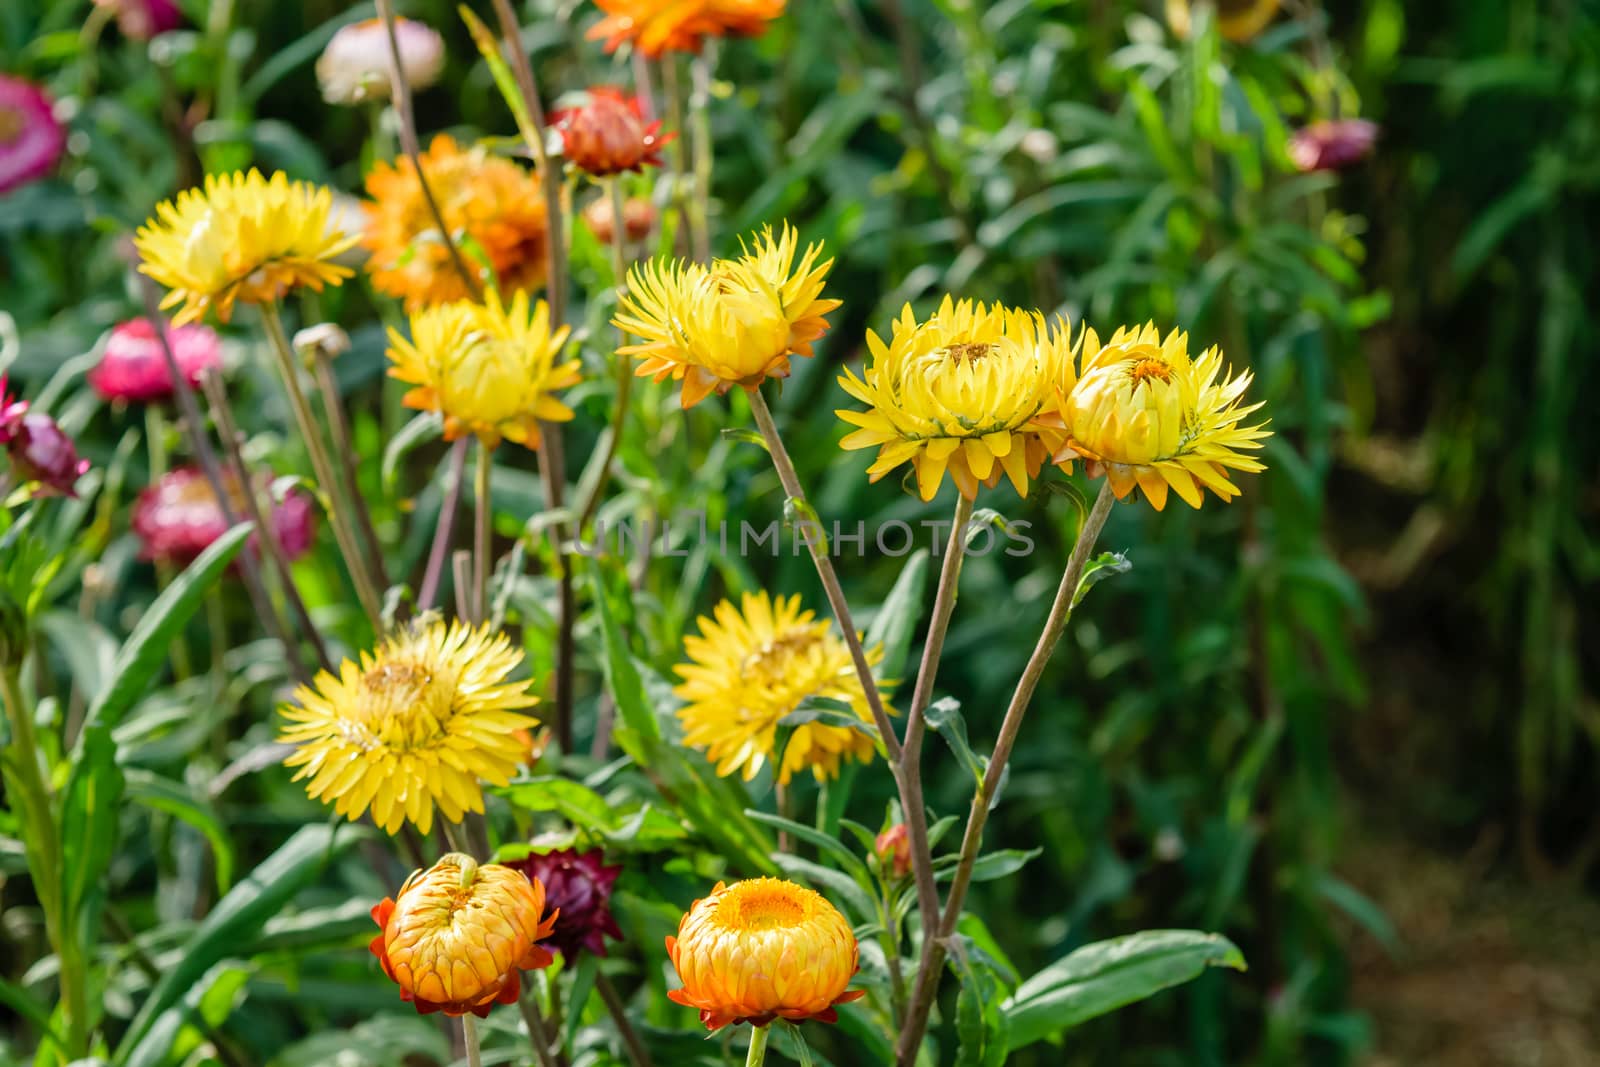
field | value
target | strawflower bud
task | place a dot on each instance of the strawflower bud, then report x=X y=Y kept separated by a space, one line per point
x=41 y=452
x=458 y=935
x=31 y=138
x=133 y=368
x=893 y=847
x=140 y=20
x=607 y=134
x=354 y=68
x=1332 y=144
x=578 y=886
x=179 y=516
x=761 y=950
x=638 y=219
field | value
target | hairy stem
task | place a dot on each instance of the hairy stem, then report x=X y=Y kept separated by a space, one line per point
x=933 y=953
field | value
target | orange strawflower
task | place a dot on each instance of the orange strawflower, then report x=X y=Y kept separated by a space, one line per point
x=458 y=935
x=607 y=134
x=657 y=26
x=761 y=950
x=493 y=207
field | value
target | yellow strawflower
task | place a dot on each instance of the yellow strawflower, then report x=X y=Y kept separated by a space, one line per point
x=1237 y=20
x=458 y=935
x=762 y=950
x=420 y=723
x=752 y=665
x=1148 y=416
x=241 y=238
x=490 y=369
x=960 y=393
x=736 y=322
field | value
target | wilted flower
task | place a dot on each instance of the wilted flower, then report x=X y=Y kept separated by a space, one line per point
x=179 y=516
x=893 y=849
x=607 y=133
x=736 y=322
x=749 y=668
x=489 y=369
x=657 y=26
x=577 y=886
x=960 y=393
x=458 y=936
x=638 y=218
x=240 y=238
x=141 y=20
x=354 y=67
x=1237 y=20
x=761 y=950
x=31 y=140
x=1147 y=416
x=133 y=368
x=42 y=452
x=1332 y=144
x=489 y=203
x=418 y=724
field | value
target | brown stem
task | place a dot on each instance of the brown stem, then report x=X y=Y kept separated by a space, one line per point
x=345 y=449
x=228 y=432
x=442 y=529
x=933 y=953
x=400 y=92
x=619 y=1014
x=482 y=511
x=194 y=430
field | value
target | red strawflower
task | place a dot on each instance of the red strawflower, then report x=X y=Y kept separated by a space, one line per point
x=607 y=133
x=31 y=140
x=41 y=452
x=141 y=20
x=578 y=885
x=1332 y=144
x=11 y=412
x=178 y=517
x=134 y=369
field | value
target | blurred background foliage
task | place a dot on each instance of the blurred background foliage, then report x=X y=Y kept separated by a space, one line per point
x=1385 y=649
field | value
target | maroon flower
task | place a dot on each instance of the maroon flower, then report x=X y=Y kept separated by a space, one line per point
x=141 y=20
x=579 y=884
x=41 y=452
x=1332 y=144
x=178 y=517
x=31 y=140
x=134 y=368
x=607 y=133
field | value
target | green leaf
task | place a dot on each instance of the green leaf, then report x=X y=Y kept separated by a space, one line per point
x=574 y=801
x=1098 y=570
x=981 y=1025
x=831 y=845
x=583 y=981
x=161 y=794
x=944 y=718
x=992 y=866
x=237 y=919
x=1108 y=975
x=90 y=808
x=896 y=621
x=419 y=431
x=23 y=1003
x=621 y=676
x=146 y=648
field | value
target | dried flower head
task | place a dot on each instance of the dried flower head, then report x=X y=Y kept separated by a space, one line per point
x=354 y=67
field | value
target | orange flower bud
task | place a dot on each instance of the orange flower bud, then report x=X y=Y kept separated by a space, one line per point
x=893 y=847
x=458 y=936
x=761 y=950
x=608 y=134
x=638 y=217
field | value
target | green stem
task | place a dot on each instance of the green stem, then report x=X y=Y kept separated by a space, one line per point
x=469 y=1037
x=322 y=466
x=700 y=120
x=758 y=1046
x=624 y=364
x=482 y=512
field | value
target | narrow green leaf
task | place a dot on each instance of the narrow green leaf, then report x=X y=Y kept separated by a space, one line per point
x=1098 y=570
x=419 y=431
x=831 y=845
x=24 y=1004
x=574 y=801
x=161 y=794
x=992 y=866
x=90 y=808
x=1108 y=975
x=896 y=621
x=146 y=648
x=944 y=718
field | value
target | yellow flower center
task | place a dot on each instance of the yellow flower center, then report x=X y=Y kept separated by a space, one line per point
x=403 y=705
x=762 y=905
x=11 y=125
x=1147 y=368
x=770 y=663
x=969 y=352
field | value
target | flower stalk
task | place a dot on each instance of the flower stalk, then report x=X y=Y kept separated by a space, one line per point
x=758 y=1046
x=442 y=530
x=469 y=1037
x=483 y=511
x=934 y=950
x=624 y=368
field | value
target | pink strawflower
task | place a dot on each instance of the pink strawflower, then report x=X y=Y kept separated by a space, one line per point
x=141 y=20
x=579 y=884
x=42 y=452
x=11 y=412
x=178 y=517
x=31 y=140
x=1332 y=144
x=134 y=369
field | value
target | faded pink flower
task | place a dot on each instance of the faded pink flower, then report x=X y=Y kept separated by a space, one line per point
x=41 y=451
x=141 y=20
x=178 y=517
x=1332 y=144
x=31 y=140
x=134 y=369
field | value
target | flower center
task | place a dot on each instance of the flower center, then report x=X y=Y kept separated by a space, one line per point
x=770 y=662
x=968 y=352
x=405 y=704
x=1148 y=368
x=12 y=123
x=761 y=908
